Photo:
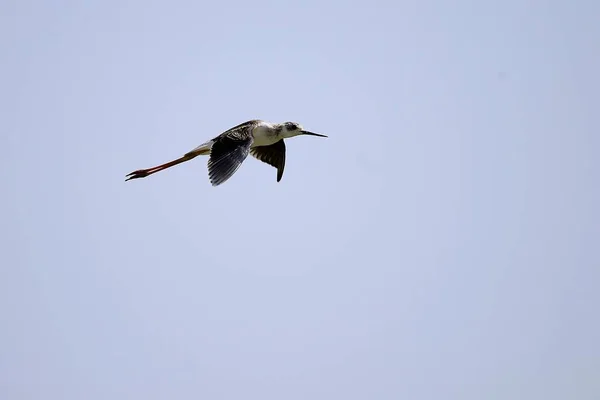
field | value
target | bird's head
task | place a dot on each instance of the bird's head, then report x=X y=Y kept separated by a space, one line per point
x=291 y=129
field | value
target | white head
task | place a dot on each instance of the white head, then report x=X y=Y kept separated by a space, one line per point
x=291 y=129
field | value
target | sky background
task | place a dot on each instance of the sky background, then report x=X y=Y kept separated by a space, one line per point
x=442 y=243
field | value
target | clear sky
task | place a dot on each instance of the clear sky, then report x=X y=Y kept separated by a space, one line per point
x=442 y=243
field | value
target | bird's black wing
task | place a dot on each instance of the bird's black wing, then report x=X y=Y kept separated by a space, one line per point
x=273 y=155
x=227 y=154
x=242 y=128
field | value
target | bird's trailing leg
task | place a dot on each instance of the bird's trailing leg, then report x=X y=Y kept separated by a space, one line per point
x=142 y=173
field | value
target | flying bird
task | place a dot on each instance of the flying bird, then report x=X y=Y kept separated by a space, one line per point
x=263 y=140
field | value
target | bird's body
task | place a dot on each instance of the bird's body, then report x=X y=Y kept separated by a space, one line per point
x=263 y=140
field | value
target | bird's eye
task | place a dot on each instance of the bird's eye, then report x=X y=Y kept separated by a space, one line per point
x=291 y=126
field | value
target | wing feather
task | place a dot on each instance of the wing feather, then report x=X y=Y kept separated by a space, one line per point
x=273 y=155
x=226 y=156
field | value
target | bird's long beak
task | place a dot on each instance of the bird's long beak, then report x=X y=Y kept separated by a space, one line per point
x=311 y=134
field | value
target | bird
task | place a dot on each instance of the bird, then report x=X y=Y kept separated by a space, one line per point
x=261 y=139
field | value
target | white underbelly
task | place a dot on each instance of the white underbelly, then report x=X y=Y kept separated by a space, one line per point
x=264 y=141
x=263 y=137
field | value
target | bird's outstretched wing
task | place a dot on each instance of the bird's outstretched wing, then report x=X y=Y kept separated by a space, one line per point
x=273 y=155
x=226 y=156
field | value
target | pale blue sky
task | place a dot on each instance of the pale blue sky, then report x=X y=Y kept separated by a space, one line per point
x=442 y=243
